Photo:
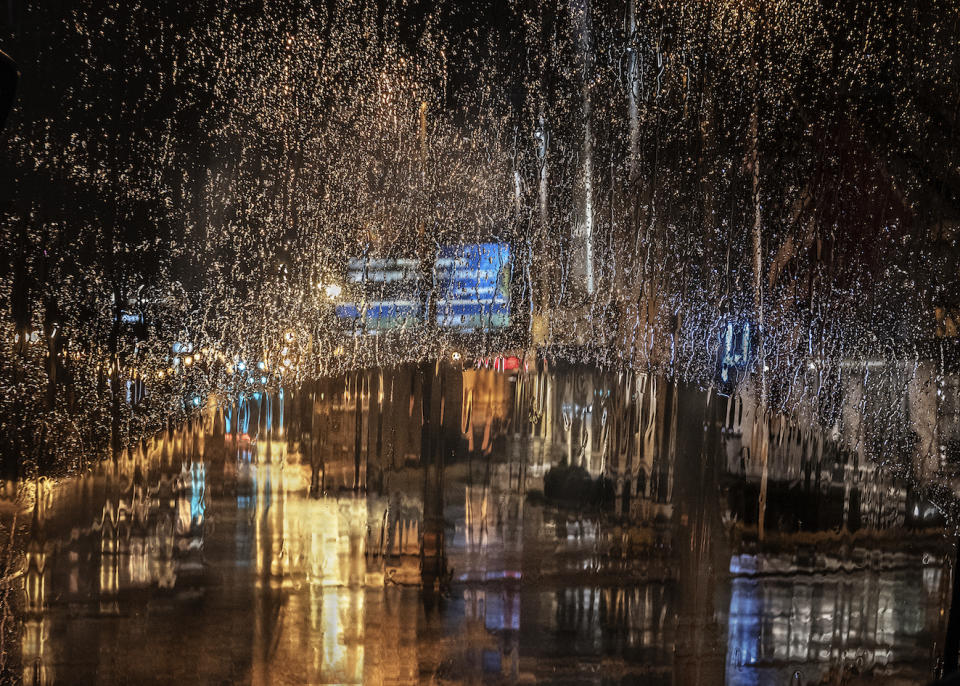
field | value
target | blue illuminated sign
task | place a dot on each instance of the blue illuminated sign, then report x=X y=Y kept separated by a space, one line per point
x=472 y=289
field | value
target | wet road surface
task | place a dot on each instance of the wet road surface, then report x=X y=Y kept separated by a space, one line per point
x=436 y=525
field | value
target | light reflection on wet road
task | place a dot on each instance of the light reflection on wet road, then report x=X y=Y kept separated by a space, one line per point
x=407 y=525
